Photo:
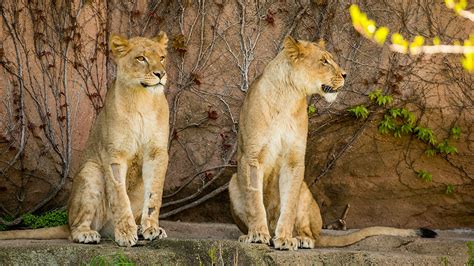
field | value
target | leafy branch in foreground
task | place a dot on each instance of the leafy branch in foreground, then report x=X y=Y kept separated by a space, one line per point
x=400 y=44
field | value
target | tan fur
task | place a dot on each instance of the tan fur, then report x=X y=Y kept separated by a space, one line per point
x=120 y=182
x=268 y=195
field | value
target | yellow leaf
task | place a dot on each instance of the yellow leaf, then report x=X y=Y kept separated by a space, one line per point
x=449 y=3
x=418 y=41
x=468 y=63
x=460 y=6
x=397 y=38
x=436 y=40
x=381 y=35
x=370 y=28
x=355 y=14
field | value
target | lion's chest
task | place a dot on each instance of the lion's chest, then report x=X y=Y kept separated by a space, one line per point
x=145 y=127
x=284 y=135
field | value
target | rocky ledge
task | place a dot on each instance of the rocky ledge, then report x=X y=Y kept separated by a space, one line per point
x=214 y=244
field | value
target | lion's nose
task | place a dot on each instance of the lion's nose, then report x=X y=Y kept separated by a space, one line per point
x=344 y=75
x=159 y=74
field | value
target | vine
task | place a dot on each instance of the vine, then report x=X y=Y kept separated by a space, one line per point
x=399 y=121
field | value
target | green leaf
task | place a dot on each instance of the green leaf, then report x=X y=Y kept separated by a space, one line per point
x=446 y=148
x=397 y=133
x=359 y=111
x=408 y=116
x=395 y=112
x=384 y=100
x=456 y=132
x=406 y=128
x=425 y=134
x=430 y=152
x=424 y=175
x=449 y=189
x=375 y=94
x=386 y=125
x=311 y=109
x=48 y=219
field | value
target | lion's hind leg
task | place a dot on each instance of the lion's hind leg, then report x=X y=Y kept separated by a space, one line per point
x=86 y=206
x=236 y=208
x=308 y=219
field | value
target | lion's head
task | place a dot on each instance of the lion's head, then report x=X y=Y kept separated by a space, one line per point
x=140 y=61
x=314 y=68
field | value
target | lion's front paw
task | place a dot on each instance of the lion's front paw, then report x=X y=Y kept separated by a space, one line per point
x=126 y=234
x=305 y=242
x=154 y=231
x=86 y=236
x=255 y=237
x=285 y=243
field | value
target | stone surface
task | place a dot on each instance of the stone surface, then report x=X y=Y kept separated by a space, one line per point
x=195 y=244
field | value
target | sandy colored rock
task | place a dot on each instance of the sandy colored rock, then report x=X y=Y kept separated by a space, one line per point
x=193 y=244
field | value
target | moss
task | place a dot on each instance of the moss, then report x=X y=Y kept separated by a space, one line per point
x=118 y=258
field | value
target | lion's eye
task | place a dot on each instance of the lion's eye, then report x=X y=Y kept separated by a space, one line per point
x=162 y=58
x=325 y=61
x=141 y=58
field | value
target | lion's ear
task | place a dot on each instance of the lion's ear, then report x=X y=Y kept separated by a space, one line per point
x=321 y=43
x=118 y=45
x=292 y=48
x=162 y=39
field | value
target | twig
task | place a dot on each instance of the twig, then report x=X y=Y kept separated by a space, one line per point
x=196 y=202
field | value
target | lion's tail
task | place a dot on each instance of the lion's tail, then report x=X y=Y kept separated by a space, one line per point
x=351 y=238
x=57 y=232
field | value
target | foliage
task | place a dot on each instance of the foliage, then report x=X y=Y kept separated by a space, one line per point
x=449 y=189
x=311 y=110
x=386 y=125
x=381 y=99
x=48 y=219
x=425 y=175
x=444 y=261
x=359 y=111
x=397 y=120
x=446 y=148
x=425 y=134
x=456 y=132
x=115 y=259
x=470 y=253
x=4 y=227
x=400 y=121
x=212 y=252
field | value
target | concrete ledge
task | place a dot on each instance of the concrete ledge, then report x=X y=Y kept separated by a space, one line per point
x=195 y=244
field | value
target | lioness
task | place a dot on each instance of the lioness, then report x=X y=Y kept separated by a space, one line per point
x=268 y=191
x=120 y=182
